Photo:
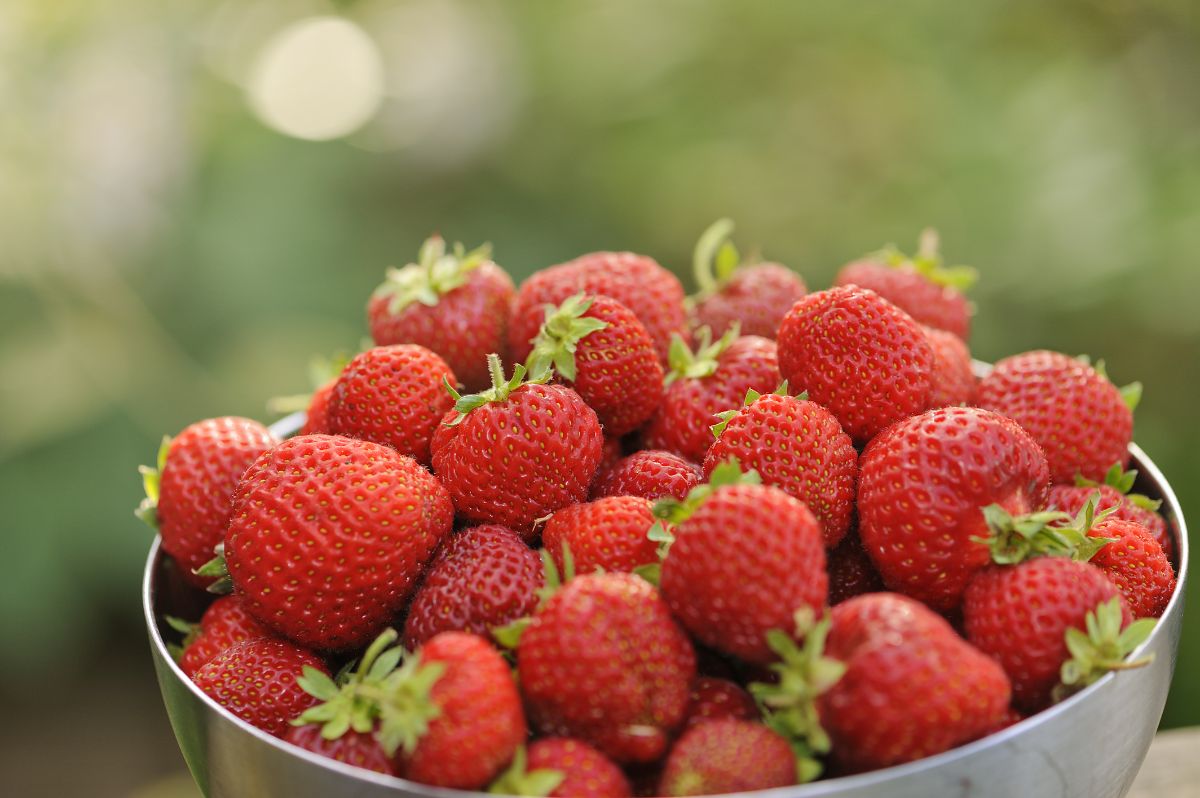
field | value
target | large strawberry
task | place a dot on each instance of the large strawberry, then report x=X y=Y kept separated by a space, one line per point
x=224 y=624
x=728 y=756
x=1134 y=562
x=1082 y=421
x=650 y=473
x=598 y=347
x=608 y=534
x=604 y=661
x=922 y=286
x=1115 y=494
x=562 y=767
x=454 y=303
x=328 y=536
x=393 y=395
x=708 y=381
x=797 y=446
x=518 y=451
x=188 y=492
x=921 y=486
x=755 y=296
x=636 y=281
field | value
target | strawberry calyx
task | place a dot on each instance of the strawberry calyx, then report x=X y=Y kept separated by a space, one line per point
x=928 y=263
x=501 y=388
x=684 y=362
x=752 y=396
x=715 y=258
x=518 y=779
x=436 y=273
x=1049 y=533
x=147 y=511
x=189 y=630
x=217 y=569
x=1131 y=394
x=670 y=511
x=1121 y=481
x=565 y=326
x=1102 y=646
x=509 y=634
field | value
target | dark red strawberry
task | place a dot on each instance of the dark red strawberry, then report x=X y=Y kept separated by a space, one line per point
x=603 y=661
x=598 y=347
x=455 y=304
x=316 y=417
x=224 y=624
x=610 y=454
x=328 y=536
x=796 y=446
x=921 y=486
x=851 y=572
x=953 y=379
x=561 y=767
x=1082 y=421
x=1116 y=495
x=650 y=473
x=518 y=451
x=701 y=384
x=481 y=578
x=1136 y=564
x=714 y=699
x=188 y=492
x=256 y=680
x=394 y=395
x=353 y=748
x=636 y=281
x=608 y=534
x=728 y=756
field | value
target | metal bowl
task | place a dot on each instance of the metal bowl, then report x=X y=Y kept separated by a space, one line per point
x=1089 y=746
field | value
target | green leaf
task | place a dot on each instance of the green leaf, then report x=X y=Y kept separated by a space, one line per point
x=1101 y=647
x=651 y=572
x=727 y=261
x=436 y=274
x=509 y=635
x=707 y=250
x=685 y=363
x=519 y=780
x=1131 y=394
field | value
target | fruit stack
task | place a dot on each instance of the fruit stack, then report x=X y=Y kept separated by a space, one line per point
x=591 y=537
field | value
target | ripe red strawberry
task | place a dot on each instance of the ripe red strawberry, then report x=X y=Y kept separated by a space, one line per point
x=610 y=453
x=224 y=624
x=1019 y=616
x=1115 y=494
x=328 y=536
x=922 y=287
x=702 y=384
x=608 y=534
x=953 y=379
x=316 y=417
x=598 y=347
x=650 y=473
x=796 y=446
x=256 y=680
x=857 y=355
x=636 y=281
x=455 y=304
x=755 y=296
x=851 y=572
x=353 y=748
x=921 y=486
x=517 y=452
x=394 y=395
x=188 y=492
x=728 y=756
x=1136 y=564
x=603 y=661
x=1082 y=421
x=714 y=699
x=481 y=578
x=744 y=559
x=561 y=767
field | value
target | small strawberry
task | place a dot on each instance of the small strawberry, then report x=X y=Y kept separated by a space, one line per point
x=360 y=749
x=188 y=492
x=636 y=281
x=796 y=446
x=598 y=347
x=316 y=416
x=328 y=536
x=716 y=699
x=651 y=474
x=604 y=661
x=954 y=380
x=755 y=296
x=851 y=572
x=857 y=355
x=608 y=534
x=224 y=624
x=481 y=578
x=1115 y=494
x=743 y=558
x=392 y=395
x=924 y=288
x=453 y=303
x=1136 y=564
x=921 y=486
x=518 y=451
x=1082 y=421
x=610 y=454
x=256 y=680
x=703 y=383
x=728 y=756
x=561 y=767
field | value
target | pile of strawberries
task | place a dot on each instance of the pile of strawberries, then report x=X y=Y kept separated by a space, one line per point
x=591 y=537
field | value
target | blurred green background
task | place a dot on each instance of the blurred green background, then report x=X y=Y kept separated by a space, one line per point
x=172 y=246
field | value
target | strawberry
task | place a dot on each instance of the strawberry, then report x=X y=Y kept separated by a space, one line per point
x=650 y=473
x=610 y=453
x=1082 y=421
x=188 y=492
x=316 y=417
x=857 y=355
x=921 y=486
x=717 y=699
x=455 y=304
x=608 y=534
x=604 y=661
x=328 y=536
x=851 y=572
x=256 y=680
x=924 y=288
x=743 y=558
x=360 y=749
x=224 y=624
x=561 y=767
x=481 y=578
x=598 y=347
x=728 y=756
x=1135 y=562
x=518 y=451
x=953 y=379
x=796 y=446
x=1116 y=494
x=636 y=281
x=755 y=296
x=701 y=384
x=392 y=395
